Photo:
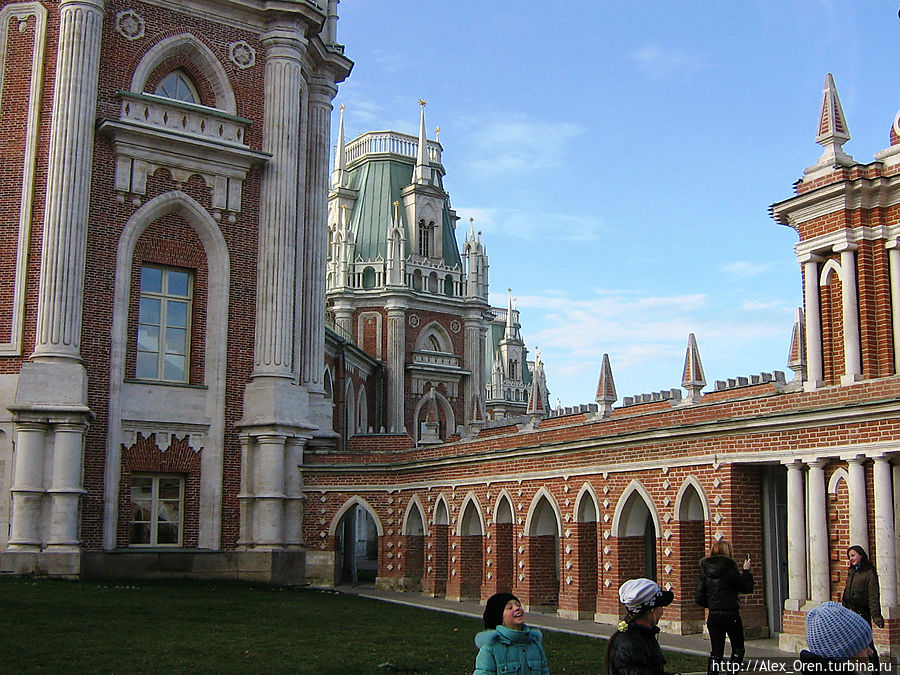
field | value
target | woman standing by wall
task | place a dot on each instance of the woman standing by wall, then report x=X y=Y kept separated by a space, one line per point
x=862 y=594
x=718 y=588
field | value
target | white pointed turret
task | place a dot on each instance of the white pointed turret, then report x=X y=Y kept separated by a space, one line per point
x=693 y=378
x=606 y=388
x=509 y=331
x=423 y=168
x=538 y=397
x=339 y=175
x=797 y=354
x=832 y=130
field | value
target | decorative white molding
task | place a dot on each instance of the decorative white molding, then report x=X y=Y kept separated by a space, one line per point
x=22 y=11
x=130 y=25
x=242 y=54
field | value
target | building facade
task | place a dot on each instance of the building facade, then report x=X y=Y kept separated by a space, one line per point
x=222 y=356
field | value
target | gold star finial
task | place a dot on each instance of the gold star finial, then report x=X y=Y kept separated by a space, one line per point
x=423 y=102
x=437 y=134
x=342 y=107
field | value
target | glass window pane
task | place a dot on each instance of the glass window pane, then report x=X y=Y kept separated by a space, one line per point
x=148 y=338
x=141 y=487
x=140 y=533
x=151 y=280
x=175 y=340
x=167 y=533
x=149 y=310
x=169 y=512
x=174 y=368
x=176 y=314
x=147 y=365
x=178 y=283
x=169 y=488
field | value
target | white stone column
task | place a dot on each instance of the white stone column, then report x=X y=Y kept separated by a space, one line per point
x=814 y=369
x=396 y=372
x=245 y=498
x=343 y=320
x=269 y=490
x=474 y=362
x=817 y=519
x=27 y=488
x=293 y=490
x=850 y=310
x=885 y=531
x=796 y=525
x=279 y=204
x=315 y=231
x=856 y=487
x=66 y=487
x=70 y=156
x=893 y=248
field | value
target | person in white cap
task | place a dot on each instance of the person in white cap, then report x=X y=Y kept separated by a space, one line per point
x=634 y=648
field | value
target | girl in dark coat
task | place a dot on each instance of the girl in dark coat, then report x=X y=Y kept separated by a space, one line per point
x=634 y=649
x=862 y=594
x=718 y=588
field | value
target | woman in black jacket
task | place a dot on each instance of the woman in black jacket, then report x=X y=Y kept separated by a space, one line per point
x=718 y=588
x=634 y=648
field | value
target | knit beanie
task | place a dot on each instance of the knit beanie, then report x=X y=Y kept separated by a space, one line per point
x=493 y=609
x=835 y=632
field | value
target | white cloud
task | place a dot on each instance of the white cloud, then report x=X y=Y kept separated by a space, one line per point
x=660 y=62
x=529 y=225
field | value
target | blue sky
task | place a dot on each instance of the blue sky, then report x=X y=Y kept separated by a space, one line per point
x=620 y=158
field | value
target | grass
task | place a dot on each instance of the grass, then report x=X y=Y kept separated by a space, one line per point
x=233 y=627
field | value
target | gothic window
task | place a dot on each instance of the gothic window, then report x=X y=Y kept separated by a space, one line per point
x=513 y=366
x=178 y=86
x=157 y=502
x=163 y=343
x=424 y=239
x=433 y=344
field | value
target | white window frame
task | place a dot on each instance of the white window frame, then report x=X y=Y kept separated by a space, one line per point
x=165 y=297
x=155 y=503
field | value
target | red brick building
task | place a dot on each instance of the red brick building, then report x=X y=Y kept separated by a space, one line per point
x=173 y=402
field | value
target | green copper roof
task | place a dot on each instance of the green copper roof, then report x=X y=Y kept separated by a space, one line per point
x=379 y=183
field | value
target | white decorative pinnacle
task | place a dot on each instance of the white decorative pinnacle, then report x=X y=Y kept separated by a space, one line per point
x=832 y=131
x=693 y=378
x=423 y=168
x=606 y=388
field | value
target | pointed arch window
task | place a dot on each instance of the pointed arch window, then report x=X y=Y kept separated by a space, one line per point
x=424 y=239
x=178 y=86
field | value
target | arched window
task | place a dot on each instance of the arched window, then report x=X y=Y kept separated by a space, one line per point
x=424 y=239
x=178 y=86
x=433 y=344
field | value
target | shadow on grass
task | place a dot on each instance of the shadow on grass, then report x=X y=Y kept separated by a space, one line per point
x=235 y=627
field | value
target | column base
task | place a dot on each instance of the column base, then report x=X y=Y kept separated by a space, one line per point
x=64 y=563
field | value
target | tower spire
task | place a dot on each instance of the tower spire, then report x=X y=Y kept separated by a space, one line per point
x=693 y=378
x=606 y=388
x=339 y=175
x=423 y=169
x=832 y=131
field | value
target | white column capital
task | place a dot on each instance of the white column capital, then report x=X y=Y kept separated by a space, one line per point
x=807 y=258
x=845 y=247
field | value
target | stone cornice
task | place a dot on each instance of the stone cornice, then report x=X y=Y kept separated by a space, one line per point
x=848 y=194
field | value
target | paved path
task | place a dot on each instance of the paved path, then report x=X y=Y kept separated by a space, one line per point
x=687 y=644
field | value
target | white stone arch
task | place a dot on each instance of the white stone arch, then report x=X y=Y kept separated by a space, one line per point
x=436 y=329
x=362 y=410
x=328 y=384
x=622 y=524
x=543 y=493
x=414 y=504
x=445 y=407
x=470 y=498
x=835 y=481
x=440 y=503
x=691 y=482
x=200 y=54
x=349 y=408
x=215 y=357
x=355 y=500
x=830 y=266
x=501 y=496
x=586 y=495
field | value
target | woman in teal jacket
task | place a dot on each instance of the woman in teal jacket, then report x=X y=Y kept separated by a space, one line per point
x=508 y=645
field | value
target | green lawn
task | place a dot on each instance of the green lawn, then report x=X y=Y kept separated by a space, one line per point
x=231 y=627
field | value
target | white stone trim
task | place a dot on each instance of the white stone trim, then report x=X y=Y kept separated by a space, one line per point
x=505 y=494
x=543 y=492
x=586 y=492
x=414 y=503
x=218 y=265
x=202 y=55
x=355 y=500
x=692 y=482
x=482 y=521
x=23 y=10
x=441 y=499
x=836 y=478
x=634 y=487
